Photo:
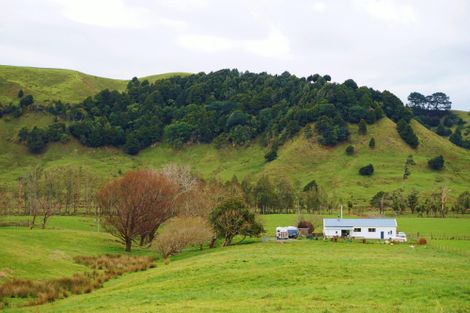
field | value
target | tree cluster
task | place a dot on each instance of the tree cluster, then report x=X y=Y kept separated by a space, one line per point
x=279 y=195
x=225 y=107
x=17 y=109
x=437 y=103
x=36 y=139
x=407 y=134
x=457 y=139
x=47 y=192
x=135 y=205
x=435 y=202
x=434 y=111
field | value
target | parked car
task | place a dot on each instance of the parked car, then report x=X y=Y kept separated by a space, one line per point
x=293 y=232
x=401 y=237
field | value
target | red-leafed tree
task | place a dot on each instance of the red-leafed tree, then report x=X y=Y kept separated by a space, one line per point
x=137 y=204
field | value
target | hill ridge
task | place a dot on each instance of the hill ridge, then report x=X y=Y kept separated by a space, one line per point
x=50 y=84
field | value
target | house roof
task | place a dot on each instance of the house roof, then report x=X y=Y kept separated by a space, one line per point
x=359 y=222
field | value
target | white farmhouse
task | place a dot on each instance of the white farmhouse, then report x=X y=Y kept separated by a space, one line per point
x=368 y=228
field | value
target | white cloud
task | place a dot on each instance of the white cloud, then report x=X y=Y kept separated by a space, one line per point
x=114 y=14
x=389 y=10
x=319 y=6
x=105 y=13
x=12 y=55
x=205 y=43
x=170 y=23
x=183 y=5
x=275 y=45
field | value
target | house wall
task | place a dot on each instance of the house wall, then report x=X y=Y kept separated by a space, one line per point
x=331 y=232
x=389 y=232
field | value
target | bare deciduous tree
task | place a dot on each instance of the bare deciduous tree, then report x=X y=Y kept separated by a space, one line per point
x=181 y=175
x=441 y=199
x=6 y=201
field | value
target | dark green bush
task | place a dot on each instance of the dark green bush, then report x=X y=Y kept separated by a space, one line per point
x=436 y=163
x=367 y=170
x=407 y=134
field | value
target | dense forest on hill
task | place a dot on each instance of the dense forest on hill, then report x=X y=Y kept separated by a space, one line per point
x=226 y=107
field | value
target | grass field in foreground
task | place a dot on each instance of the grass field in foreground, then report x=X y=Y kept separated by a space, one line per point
x=317 y=276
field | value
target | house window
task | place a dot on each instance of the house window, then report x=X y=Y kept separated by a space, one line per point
x=371 y=230
x=357 y=230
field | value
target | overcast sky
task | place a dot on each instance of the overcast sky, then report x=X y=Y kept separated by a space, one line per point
x=402 y=46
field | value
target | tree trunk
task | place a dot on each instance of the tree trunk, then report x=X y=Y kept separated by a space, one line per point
x=212 y=243
x=44 y=220
x=143 y=239
x=128 y=244
x=33 y=221
x=153 y=232
x=227 y=241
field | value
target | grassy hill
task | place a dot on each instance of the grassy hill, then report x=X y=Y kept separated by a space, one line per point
x=48 y=84
x=300 y=160
x=317 y=276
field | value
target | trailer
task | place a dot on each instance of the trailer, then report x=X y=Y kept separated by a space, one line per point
x=285 y=233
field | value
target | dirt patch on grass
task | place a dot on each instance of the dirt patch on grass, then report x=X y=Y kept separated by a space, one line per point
x=59 y=255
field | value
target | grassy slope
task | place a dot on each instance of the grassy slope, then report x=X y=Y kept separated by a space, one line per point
x=52 y=84
x=257 y=277
x=47 y=84
x=333 y=169
x=299 y=159
x=153 y=78
x=43 y=254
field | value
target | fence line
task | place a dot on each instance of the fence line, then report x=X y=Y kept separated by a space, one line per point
x=438 y=236
x=459 y=251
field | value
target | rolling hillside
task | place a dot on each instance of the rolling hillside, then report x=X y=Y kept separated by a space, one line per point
x=299 y=159
x=297 y=276
x=47 y=84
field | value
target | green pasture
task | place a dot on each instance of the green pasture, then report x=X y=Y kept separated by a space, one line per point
x=258 y=276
